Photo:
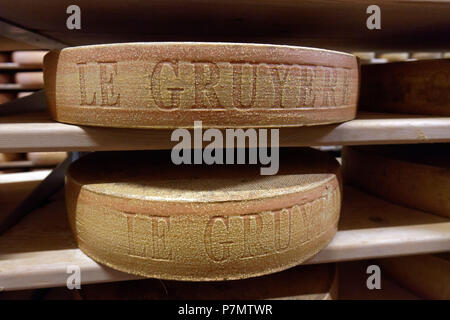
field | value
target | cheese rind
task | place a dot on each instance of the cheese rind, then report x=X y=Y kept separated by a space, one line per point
x=170 y=85
x=136 y=213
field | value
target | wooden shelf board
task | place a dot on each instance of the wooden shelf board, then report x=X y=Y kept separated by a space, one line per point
x=12 y=66
x=37 y=132
x=18 y=87
x=37 y=252
x=305 y=22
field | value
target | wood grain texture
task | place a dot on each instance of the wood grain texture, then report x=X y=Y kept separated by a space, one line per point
x=169 y=85
x=418 y=87
x=339 y=24
x=319 y=282
x=415 y=176
x=139 y=214
x=37 y=132
x=428 y=276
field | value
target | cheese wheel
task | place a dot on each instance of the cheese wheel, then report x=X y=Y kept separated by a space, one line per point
x=394 y=56
x=135 y=212
x=31 y=57
x=427 y=275
x=34 y=79
x=315 y=282
x=426 y=55
x=416 y=176
x=46 y=158
x=418 y=87
x=169 y=85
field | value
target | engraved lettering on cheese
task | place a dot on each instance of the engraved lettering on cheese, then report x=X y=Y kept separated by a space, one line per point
x=206 y=78
x=85 y=101
x=253 y=227
x=105 y=73
x=158 y=80
x=346 y=87
x=242 y=71
x=216 y=240
x=329 y=86
x=108 y=70
x=307 y=89
x=279 y=76
x=282 y=229
x=147 y=237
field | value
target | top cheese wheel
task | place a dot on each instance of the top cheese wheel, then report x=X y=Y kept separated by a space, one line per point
x=139 y=213
x=417 y=176
x=418 y=87
x=170 y=85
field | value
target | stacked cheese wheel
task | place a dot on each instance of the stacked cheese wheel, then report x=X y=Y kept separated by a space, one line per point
x=171 y=85
x=138 y=213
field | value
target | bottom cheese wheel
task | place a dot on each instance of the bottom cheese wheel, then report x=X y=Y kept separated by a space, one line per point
x=139 y=213
x=315 y=282
x=416 y=176
x=428 y=276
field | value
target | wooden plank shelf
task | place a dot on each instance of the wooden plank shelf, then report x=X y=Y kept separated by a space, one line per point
x=18 y=87
x=12 y=66
x=335 y=24
x=37 y=132
x=37 y=252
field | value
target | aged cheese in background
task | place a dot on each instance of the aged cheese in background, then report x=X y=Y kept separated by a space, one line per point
x=139 y=213
x=34 y=79
x=419 y=87
x=31 y=57
x=427 y=275
x=46 y=158
x=168 y=85
x=416 y=176
x=315 y=282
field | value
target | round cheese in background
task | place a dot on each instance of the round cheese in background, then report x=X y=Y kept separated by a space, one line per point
x=139 y=213
x=416 y=176
x=32 y=79
x=30 y=57
x=46 y=158
x=170 y=85
x=417 y=87
x=428 y=276
x=314 y=282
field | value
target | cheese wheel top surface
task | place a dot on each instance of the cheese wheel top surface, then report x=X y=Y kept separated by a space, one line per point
x=152 y=176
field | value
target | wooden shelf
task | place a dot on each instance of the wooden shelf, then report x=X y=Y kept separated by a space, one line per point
x=12 y=66
x=37 y=132
x=18 y=87
x=336 y=24
x=36 y=252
